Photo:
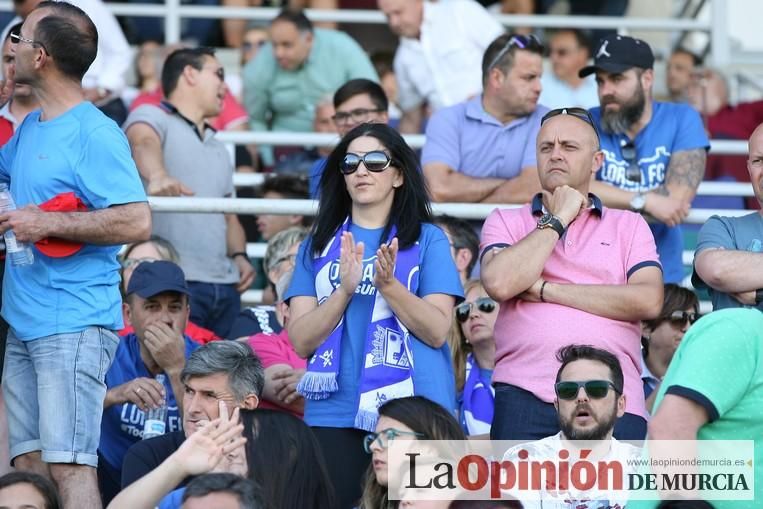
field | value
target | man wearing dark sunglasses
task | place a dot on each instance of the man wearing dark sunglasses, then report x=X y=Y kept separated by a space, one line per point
x=482 y=150
x=565 y=269
x=588 y=402
x=655 y=151
x=177 y=154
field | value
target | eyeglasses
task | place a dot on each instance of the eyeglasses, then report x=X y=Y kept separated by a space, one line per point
x=247 y=45
x=357 y=115
x=16 y=38
x=220 y=72
x=595 y=389
x=132 y=262
x=680 y=318
x=375 y=161
x=285 y=258
x=384 y=436
x=464 y=310
x=633 y=173
x=580 y=113
x=528 y=42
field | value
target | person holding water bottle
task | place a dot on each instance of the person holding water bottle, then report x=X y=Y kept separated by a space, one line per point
x=144 y=388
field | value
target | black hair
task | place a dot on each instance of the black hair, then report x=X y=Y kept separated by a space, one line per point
x=289 y=185
x=247 y=492
x=695 y=59
x=44 y=486
x=286 y=460
x=69 y=36
x=582 y=40
x=677 y=298
x=176 y=63
x=360 y=86
x=463 y=236
x=507 y=58
x=410 y=206
x=572 y=353
x=296 y=17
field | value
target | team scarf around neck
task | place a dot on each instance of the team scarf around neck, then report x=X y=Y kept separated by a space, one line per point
x=478 y=399
x=387 y=359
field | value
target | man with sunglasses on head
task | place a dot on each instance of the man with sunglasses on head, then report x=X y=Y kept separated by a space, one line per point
x=729 y=254
x=565 y=269
x=483 y=149
x=177 y=154
x=655 y=152
x=436 y=60
x=588 y=401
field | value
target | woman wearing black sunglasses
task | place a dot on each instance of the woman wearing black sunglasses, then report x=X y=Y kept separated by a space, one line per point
x=660 y=337
x=372 y=296
x=473 y=346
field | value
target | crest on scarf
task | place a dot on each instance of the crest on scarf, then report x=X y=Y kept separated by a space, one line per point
x=389 y=348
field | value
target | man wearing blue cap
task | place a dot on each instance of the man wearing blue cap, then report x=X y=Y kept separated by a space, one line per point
x=654 y=152
x=157 y=308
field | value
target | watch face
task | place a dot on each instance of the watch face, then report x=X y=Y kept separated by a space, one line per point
x=638 y=202
x=545 y=220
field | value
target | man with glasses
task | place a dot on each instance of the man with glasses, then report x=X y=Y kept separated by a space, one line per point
x=568 y=51
x=436 y=61
x=565 y=270
x=157 y=308
x=483 y=149
x=729 y=254
x=588 y=401
x=178 y=155
x=654 y=152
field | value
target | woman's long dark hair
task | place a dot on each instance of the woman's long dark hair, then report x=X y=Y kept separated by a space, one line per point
x=285 y=459
x=410 y=206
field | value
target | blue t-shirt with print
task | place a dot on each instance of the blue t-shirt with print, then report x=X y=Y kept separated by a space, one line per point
x=84 y=152
x=673 y=128
x=122 y=425
x=433 y=372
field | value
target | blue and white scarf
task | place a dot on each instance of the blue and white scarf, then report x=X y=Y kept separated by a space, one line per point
x=387 y=359
x=478 y=400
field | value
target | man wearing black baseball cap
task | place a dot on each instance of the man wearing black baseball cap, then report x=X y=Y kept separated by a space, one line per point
x=654 y=152
x=157 y=308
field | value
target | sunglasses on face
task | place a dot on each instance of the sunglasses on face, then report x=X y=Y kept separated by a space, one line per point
x=633 y=173
x=680 y=318
x=384 y=436
x=595 y=389
x=579 y=113
x=528 y=42
x=375 y=161
x=464 y=310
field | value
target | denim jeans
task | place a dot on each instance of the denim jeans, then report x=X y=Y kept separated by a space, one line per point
x=519 y=415
x=214 y=306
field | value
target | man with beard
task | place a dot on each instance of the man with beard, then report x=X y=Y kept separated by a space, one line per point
x=589 y=399
x=654 y=152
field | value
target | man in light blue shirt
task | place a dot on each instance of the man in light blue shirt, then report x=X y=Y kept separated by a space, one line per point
x=568 y=52
x=300 y=65
x=483 y=149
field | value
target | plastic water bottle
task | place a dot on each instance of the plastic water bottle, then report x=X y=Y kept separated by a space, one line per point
x=156 y=418
x=20 y=253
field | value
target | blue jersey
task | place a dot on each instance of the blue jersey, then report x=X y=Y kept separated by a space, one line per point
x=673 y=128
x=432 y=373
x=122 y=425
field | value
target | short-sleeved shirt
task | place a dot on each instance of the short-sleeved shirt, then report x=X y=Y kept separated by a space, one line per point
x=122 y=425
x=743 y=233
x=673 y=128
x=202 y=163
x=557 y=93
x=473 y=142
x=443 y=66
x=69 y=153
x=146 y=455
x=602 y=246
x=432 y=373
x=719 y=366
x=273 y=349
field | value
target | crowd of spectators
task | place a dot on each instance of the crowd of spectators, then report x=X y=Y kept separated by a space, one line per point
x=566 y=318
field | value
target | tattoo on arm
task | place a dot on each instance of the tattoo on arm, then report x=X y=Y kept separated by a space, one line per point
x=686 y=168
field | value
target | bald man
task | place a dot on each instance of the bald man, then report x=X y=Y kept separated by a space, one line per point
x=562 y=267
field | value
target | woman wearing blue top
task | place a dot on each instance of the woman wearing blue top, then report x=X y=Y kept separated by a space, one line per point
x=371 y=298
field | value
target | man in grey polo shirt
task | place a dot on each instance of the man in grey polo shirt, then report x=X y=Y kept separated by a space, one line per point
x=483 y=149
x=178 y=155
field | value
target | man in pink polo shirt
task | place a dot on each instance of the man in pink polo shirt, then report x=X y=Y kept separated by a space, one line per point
x=566 y=270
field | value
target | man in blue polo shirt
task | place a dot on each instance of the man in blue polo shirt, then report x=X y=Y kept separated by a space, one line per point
x=157 y=308
x=654 y=152
x=483 y=149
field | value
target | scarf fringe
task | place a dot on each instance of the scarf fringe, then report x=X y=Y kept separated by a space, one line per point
x=366 y=419
x=316 y=385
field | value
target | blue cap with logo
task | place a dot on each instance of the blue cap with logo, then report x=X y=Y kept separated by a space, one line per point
x=618 y=53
